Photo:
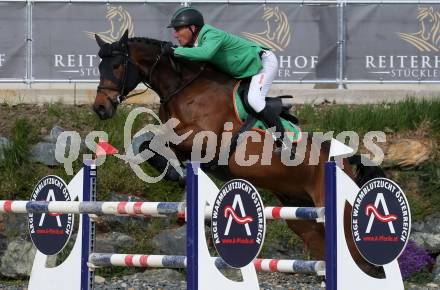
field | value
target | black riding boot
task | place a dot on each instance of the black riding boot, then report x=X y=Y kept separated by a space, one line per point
x=272 y=120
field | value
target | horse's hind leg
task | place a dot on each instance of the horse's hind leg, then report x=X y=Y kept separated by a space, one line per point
x=311 y=232
x=313 y=236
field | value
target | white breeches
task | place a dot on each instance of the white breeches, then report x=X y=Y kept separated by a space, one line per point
x=261 y=82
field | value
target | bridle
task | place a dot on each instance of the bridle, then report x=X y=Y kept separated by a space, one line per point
x=122 y=83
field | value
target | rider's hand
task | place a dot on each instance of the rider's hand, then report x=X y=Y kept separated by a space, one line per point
x=167 y=49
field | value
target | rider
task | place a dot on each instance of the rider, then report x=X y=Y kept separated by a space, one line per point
x=231 y=54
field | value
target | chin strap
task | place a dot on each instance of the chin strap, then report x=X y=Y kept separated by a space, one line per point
x=194 y=35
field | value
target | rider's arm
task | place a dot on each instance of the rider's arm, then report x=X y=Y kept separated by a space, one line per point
x=205 y=52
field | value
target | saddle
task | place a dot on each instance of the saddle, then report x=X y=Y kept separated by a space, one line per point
x=250 y=118
x=275 y=104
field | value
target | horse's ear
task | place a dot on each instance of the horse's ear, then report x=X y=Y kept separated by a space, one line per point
x=99 y=40
x=124 y=37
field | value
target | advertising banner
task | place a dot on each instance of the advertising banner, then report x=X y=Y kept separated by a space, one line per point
x=304 y=38
x=13 y=40
x=389 y=42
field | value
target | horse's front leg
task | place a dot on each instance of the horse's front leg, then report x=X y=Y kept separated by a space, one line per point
x=158 y=161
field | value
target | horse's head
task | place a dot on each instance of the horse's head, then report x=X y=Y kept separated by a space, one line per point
x=429 y=24
x=122 y=68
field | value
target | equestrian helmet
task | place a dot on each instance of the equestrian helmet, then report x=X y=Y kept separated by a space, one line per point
x=186 y=16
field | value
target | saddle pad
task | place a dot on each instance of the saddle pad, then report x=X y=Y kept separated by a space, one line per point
x=292 y=131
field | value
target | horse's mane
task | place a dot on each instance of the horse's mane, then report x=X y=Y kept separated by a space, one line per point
x=147 y=40
x=188 y=64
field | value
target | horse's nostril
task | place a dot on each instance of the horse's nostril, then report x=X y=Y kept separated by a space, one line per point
x=100 y=110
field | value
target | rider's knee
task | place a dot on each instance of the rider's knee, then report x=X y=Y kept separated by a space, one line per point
x=256 y=103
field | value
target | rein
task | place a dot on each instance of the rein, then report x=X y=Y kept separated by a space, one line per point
x=167 y=98
x=122 y=82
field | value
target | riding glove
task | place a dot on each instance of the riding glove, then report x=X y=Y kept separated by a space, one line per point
x=168 y=49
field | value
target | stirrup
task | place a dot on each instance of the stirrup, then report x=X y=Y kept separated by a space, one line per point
x=280 y=146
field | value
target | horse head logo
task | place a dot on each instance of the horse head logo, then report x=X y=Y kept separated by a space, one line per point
x=119 y=20
x=277 y=34
x=428 y=37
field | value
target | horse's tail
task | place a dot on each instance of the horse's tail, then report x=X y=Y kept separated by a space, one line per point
x=365 y=169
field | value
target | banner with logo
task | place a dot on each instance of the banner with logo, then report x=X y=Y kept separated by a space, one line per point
x=64 y=45
x=380 y=221
x=383 y=42
x=303 y=37
x=389 y=42
x=238 y=223
x=13 y=40
x=50 y=232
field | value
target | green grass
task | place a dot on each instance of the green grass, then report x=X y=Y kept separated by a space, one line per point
x=401 y=116
x=14 y=167
x=17 y=154
x=19 y=175
x=419 y=278
x=427 y=200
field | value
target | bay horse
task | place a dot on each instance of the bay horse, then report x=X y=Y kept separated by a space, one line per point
x=200 y=97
